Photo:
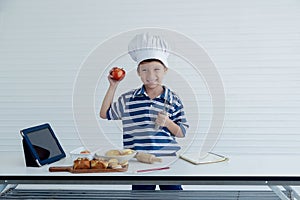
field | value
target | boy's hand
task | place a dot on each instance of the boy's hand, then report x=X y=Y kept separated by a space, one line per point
x=112 y=79
x=162 y=119
x=117 y=73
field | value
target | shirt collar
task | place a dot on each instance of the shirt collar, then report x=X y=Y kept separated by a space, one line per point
x=166 y=95
x=139 y=92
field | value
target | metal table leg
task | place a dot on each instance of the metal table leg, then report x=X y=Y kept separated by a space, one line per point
x=2 y=187
x=291 y=193
x=5 y=187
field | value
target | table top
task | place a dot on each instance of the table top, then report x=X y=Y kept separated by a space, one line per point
x=247 y=169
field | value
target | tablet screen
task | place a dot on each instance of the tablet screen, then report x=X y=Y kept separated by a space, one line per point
x=43 y=143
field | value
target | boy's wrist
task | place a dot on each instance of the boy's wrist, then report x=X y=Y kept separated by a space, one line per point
x=173 y=126
x=168 y=123
x=113 y=86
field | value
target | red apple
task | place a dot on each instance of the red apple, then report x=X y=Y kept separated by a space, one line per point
x=117 y=73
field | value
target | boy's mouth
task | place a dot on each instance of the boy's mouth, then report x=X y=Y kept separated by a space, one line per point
x=154 y=81
x=151 y=82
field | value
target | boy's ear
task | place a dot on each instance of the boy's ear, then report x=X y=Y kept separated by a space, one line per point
x=138 y=71
x=166 y=69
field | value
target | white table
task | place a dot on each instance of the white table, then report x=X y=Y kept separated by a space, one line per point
x=270 y=171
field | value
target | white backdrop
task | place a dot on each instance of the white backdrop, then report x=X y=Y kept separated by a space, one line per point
x=255 y=46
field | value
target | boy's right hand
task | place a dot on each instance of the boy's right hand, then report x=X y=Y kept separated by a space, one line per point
x=116 y=75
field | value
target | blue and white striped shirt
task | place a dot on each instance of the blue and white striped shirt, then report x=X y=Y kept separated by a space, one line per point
x=138 y=114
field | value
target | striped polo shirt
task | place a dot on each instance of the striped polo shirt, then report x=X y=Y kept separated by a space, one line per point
x=138 y=114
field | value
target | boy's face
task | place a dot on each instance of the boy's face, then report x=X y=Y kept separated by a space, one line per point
x=151 y=73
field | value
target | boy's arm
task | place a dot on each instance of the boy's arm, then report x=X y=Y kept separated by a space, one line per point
x=107 y=101
x=164 y=120
x=174 y=129
x=109 y=96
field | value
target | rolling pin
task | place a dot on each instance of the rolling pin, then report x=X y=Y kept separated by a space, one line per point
x=147 y=158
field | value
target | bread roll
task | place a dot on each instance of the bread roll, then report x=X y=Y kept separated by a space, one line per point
x=115 y=166
x=85 y=152
x=82 y=163
x=127 y=152
x=99 y=164
x=112 y=162
x=124 y=163
x=113 y=153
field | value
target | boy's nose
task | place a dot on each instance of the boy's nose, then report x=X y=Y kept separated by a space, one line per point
x=151 y=75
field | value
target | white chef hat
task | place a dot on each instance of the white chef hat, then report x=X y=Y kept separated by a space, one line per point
x=146 y=46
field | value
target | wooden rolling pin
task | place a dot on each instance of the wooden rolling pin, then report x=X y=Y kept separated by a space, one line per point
x=147 y=158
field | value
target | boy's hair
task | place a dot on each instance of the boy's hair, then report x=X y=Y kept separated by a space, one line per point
x=151 y=60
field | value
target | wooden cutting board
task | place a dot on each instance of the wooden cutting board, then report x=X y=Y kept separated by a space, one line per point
x=72 y=170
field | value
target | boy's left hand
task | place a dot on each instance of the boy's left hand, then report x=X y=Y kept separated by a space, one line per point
x=162 y=119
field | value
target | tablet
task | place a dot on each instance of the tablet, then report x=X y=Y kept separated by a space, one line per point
x=42 y=145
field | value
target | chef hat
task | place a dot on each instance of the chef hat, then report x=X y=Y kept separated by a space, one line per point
x=146 y=46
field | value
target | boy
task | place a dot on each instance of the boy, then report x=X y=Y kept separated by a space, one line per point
x=152 y=116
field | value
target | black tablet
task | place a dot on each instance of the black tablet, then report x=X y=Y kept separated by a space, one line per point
x=41 y=142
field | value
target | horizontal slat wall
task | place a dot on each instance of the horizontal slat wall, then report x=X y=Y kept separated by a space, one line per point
x=254 y=44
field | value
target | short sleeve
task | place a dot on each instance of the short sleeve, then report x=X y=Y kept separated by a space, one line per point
x=116 y=110
x=179 y=116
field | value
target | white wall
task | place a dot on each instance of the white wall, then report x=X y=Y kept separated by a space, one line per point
x=255 y=46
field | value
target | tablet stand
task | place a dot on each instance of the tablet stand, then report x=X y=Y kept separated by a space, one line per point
x=29 y=159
